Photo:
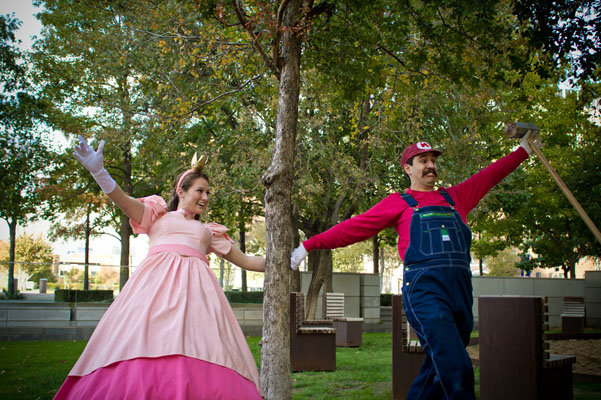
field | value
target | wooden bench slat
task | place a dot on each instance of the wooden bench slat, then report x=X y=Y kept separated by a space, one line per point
x=312 y=330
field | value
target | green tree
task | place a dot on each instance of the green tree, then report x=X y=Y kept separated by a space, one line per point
x=33 y=255
x=528 y=210
x=565 y=32
x=202 y=86
x=86 y=61
x=383 y=75
x=351 y=258
x=74 y=205
x=504 y=263
x=24 y=154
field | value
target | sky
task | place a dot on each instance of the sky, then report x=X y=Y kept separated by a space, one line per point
x=24 y=11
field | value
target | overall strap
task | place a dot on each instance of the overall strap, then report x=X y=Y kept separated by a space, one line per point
x=447 y=197
x=409 y=200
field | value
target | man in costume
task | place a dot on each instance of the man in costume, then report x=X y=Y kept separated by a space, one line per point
x=434 y=244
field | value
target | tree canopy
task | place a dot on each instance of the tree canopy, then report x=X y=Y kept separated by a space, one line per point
x=34 y=255
x=24 y=152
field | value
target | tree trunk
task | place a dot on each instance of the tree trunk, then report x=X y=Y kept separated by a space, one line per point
x=125 y=234
x=221 y=271
x=572 y=265
x=242 y=228
x=321 y=261
x=328 y=265
x=295 y=276
x=275 y=350
x=86 y=262
x=12 y=228
x=125 y=231
x=376 y=253
x=382 y=269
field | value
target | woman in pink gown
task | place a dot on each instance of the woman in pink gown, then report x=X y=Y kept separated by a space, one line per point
x=171 y=333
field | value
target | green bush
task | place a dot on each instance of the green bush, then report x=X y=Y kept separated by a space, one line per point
x=245 y=297
x=386 y=299
x=15 y=296
x=80 y=296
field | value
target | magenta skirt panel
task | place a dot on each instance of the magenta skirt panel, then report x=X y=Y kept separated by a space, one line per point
x=170 y=378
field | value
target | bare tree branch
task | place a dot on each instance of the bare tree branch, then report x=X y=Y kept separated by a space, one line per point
x=214 y=99
x=254 y=39
x=281 y=10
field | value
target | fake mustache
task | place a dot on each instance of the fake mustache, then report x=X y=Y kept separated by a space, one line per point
x=429 y=170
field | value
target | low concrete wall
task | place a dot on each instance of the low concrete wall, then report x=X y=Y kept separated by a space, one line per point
x=349 y=284
x=88 y=314
x=592 y=298
x=552 y=288
x=23 y=320
x=250 y=318
x=34 y=321
x=23 y=314
x=361 y=294
x=370 y=298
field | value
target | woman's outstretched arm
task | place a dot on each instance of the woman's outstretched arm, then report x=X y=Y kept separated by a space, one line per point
x=251 y=263
x=93 y=161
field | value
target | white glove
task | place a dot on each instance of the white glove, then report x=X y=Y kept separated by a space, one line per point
x=297 y=257
x=93 y=162
x=535 y=138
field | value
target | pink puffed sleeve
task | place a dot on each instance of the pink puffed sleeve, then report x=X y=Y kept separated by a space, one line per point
x=154 y=208
x=221 y=243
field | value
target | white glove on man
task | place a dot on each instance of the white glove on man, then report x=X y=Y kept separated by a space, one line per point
x=297 y=256
x=93 y=162
x=535 y=138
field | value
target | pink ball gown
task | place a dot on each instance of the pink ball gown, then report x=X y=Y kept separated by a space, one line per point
x=171 y=333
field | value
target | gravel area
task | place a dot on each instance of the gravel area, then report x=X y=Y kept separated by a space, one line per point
x=587 y=352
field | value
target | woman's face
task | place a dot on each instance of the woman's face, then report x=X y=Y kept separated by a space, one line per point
x=196 y=198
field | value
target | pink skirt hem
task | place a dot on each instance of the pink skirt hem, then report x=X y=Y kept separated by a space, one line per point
x=173 y=377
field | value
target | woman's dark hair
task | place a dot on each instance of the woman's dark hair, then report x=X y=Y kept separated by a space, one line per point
x=186 y=183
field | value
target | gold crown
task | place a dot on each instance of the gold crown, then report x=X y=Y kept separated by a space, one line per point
x=198 y=163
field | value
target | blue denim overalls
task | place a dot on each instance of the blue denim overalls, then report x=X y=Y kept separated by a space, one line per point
x=437 y=295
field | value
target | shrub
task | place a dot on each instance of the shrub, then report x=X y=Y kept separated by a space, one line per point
x=14 y=296
x=75 y=296
x=245 y=297
x=386 y=299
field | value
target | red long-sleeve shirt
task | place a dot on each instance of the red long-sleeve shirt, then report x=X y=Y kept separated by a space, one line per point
x=394 y=211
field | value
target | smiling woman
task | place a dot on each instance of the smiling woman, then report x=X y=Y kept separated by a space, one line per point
x=171 y=332
x=191 y=193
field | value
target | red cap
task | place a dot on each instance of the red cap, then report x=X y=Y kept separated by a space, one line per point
x=415 y=149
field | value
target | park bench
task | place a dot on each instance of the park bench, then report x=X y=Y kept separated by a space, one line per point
x=514 y=359
x=407 y=353
x=312 y=342
x=573 y=315
x=349 y=330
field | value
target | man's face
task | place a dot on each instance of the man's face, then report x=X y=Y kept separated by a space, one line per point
x=423 y=172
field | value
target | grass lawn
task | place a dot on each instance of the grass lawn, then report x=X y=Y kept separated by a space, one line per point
x=35 y=370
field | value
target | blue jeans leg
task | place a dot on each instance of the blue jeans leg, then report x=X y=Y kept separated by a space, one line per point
x=438 y=307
